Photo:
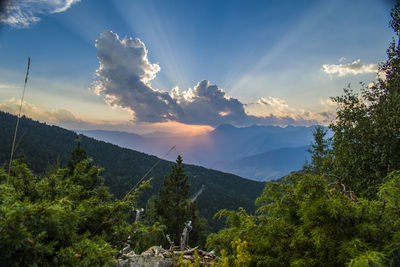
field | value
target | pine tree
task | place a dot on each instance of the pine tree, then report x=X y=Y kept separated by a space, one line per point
x=320 y=153
x=77 y=155
x=174 y=208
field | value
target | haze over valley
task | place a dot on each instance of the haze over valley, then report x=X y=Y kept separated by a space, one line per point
x=272 y=150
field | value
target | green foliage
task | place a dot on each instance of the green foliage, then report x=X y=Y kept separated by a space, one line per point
x=369 y=258
x=66 y=218
x=146 y=235
x=223 y=261
x=307 y=221
x=242 y=255
x=174 y=208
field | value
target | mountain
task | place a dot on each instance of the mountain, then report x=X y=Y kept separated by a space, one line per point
x=269 y=165
x=44 y=145
x=241 y=142
x=226 y=143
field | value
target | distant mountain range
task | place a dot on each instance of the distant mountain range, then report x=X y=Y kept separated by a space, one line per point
x=268 y=165
x=255 y=152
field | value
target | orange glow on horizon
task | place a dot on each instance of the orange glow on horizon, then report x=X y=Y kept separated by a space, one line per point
x=178 y=128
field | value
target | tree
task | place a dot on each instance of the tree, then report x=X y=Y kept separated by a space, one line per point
x=174 y=208
x=77 y=155
x=320 y=153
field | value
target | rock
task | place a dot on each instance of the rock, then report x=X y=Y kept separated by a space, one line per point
x=157 y=256
x=141 y=261
x=154 y=256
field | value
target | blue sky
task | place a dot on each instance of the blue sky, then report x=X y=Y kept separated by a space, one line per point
x=272 y=62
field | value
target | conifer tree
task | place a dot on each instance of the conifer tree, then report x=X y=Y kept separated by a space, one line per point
x=21 y=158
x=77 y=155
x=174 y=208
x=320 y=153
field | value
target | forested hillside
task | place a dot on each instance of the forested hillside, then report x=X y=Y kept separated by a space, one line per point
x=46 y=145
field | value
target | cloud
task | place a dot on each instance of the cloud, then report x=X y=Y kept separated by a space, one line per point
x=9 y=86
x=208 y=104
x=353 y=68
x=276 y=111
x=60 y=117
x=269 y=106
x=273 y=102
x=22 y=13
x=328 y=103
x=124 y=79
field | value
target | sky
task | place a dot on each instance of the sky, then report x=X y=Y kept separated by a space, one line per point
x=187 y=66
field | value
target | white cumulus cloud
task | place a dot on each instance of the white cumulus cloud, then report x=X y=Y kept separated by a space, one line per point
x=23 y=13
x=353 y=68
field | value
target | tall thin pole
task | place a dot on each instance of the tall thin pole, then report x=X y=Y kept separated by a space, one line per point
x=19 y=115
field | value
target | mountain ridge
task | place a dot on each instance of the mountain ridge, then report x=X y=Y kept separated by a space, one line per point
x=269 y=165
x=225 y=143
